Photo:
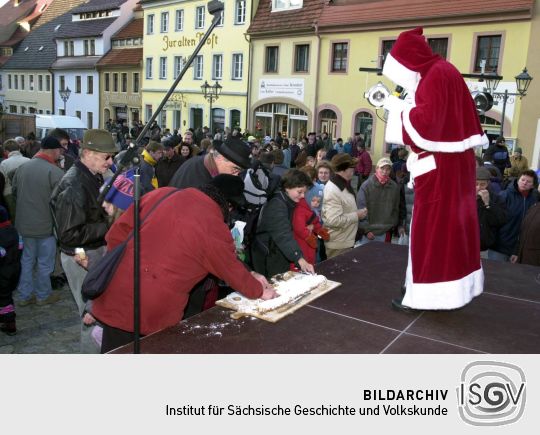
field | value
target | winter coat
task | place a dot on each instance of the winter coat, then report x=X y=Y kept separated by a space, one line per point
x=10 y=261
x=192 y=173
x=529 y=238
x=80 y=219
x=166 y=168
x=490 y=219
x=339 y=213
x=363 y=167
x=517 y=166
x=275 y=247
x=382 y=202
x=301 y=216
x=32 y=186
x=516 y=207
x=178 y=250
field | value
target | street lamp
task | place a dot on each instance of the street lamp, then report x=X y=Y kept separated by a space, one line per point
x=64 y=95
x=211 y=93
x=523 y=80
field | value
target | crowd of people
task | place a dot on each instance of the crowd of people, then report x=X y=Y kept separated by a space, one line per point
x=219 y=212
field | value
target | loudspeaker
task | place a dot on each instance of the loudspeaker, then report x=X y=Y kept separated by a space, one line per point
x=483 y=101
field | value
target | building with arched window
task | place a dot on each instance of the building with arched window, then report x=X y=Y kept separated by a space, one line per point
x=307 y=55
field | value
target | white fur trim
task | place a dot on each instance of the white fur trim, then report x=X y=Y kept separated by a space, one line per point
x=400 y=74
x=443 y=147
x=447 y=295
x=394 y=128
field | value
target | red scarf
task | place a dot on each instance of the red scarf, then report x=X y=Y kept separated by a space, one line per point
x=383 y=179
x=44 y=156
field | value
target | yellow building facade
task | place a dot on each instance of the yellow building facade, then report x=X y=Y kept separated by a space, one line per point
x=343 y=92
x=172 y=30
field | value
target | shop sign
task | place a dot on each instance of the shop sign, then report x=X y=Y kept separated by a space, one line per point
x=286 y=88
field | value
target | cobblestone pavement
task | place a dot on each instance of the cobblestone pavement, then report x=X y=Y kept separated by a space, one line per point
x=48 y=329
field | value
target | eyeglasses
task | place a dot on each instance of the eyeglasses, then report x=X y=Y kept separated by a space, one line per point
x=109 y=156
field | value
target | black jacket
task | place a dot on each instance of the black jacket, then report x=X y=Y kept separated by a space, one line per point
x=10 y=262
x=192 y=173
x=490 y=219
x=166 y=168
x=80 y=220
x=276 y=247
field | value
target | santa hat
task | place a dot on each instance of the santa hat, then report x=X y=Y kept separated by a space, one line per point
x=409 y=58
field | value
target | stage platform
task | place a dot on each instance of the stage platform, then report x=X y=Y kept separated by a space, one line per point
x=357 y=316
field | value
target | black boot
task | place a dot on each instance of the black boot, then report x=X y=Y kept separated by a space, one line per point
x=398 y=305
x=7 y=323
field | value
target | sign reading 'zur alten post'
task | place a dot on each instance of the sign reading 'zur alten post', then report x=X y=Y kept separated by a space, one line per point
x=184 y=41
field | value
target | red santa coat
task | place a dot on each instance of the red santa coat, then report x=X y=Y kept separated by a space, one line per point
x=183 y=240
x=440 y=123
x=302 y=214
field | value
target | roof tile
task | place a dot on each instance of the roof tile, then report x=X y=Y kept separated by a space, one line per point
x=122 y=57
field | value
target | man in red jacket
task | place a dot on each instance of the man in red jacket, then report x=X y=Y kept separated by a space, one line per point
x=177 y=251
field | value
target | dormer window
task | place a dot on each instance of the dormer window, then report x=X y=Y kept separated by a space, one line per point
x=286 y=5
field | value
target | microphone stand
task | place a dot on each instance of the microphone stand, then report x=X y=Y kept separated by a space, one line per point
x=215 y=7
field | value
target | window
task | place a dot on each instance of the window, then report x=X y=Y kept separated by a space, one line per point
x=22 y=83
x=86 y=47
x=31 y=82
x=9 y=81
x=198 y=68
x=135 y=83
x=237 y=66
x=217 y=67
x=234 y=118
x=164 y=22
x=15 y=81
x=90 y=85
x=150 y=24
x=92 y=47
x=385 y=49
x=148 y=112
x=162 y=68
x=66 y=48
x=40 y=82
x=23 y=109
x=61 y=111
x=149 y=68
x=301 y=58
x=178 y=64
x=78 y=114
x=199 y=17
x=439 y=46
x=77 y=84
x=271 y=64
x=339 y=56
x=285 y=5
x=107 y=83
x=89 y=120
x=48 y=83
x=487 y=48
x=115 y=82
x=61 y=82
x=12 y=108
x=240 y=12
x=179 y=21
x=69 y=48
x=221 y=18
x=363 y=123
x=124 y=82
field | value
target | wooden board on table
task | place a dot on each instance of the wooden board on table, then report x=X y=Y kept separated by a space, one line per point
x=283 y=311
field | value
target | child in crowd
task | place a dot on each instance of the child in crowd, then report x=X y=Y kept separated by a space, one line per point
x=10 y=271
x=307 y=225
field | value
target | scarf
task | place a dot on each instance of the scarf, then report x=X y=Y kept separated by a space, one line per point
x=383 y=179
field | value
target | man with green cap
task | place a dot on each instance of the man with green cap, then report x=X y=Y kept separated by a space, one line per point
x=518 y=162
x=80 y=221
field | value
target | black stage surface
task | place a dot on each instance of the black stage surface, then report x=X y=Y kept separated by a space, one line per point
x=357 y=316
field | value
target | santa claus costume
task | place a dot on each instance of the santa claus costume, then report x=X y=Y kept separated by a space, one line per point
x=438 y=120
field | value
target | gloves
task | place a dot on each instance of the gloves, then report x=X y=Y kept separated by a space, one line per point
x=324 y=234
x=311 y=240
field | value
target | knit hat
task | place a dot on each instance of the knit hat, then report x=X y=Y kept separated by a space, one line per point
x=50 y=143
x=483 y=174
x=236 y=151
x=316 y=190
x=3 y=214
x=518 y=150
x=99 y=140
x=121 y=192
x=232 y=188
x=385 y=161
x=343 y=161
